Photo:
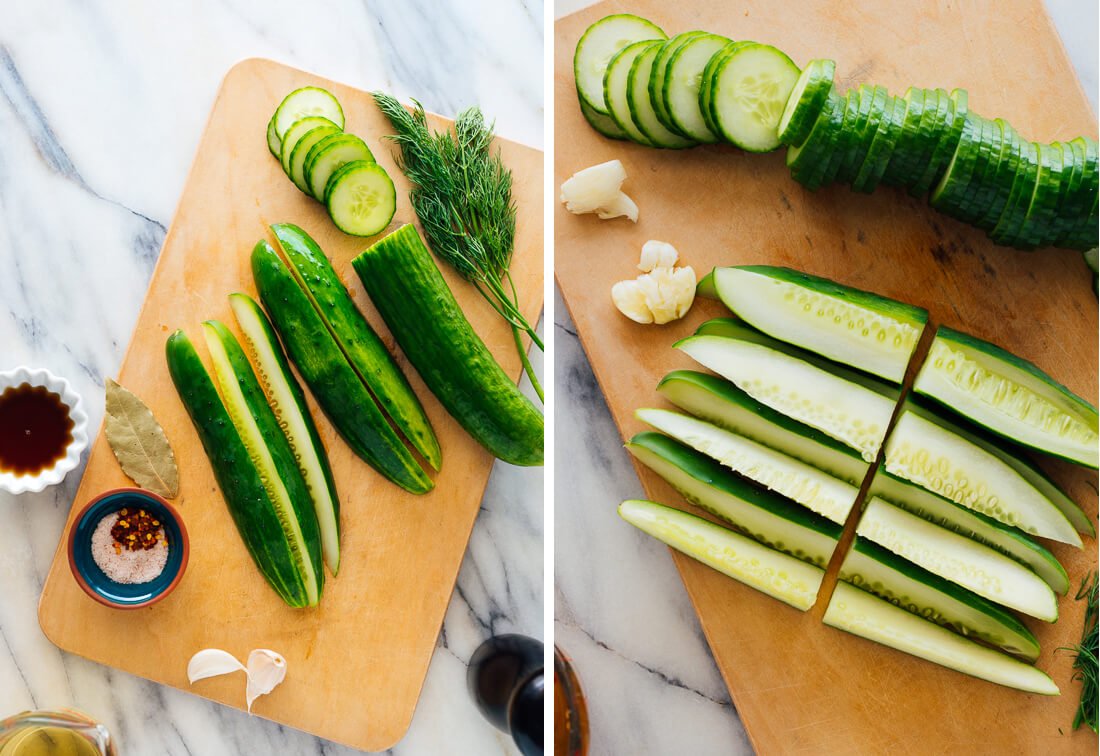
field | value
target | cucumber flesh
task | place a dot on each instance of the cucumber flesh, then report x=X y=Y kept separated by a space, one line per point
x=642 y=111
x=749 y=93
x=859 y=613
x=615 y=90
x=902 y=583
x=926 y=453
x=330 y=155
x=270 y=452
x=287 y=401
x=850 y=326
x=847 y=411
x=718 y=401
x=772 y=520
x=304 y=103
x=598 y=45
x=780 y=576
x=1010 y=397
x=959 y=559
x=817 y=491
x=974 y=525
x=360 y=198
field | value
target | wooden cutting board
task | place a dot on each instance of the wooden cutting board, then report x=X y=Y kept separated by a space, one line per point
x=799 y=686
x=357 y=662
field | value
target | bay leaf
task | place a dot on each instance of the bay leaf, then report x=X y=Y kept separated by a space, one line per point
x=139 y=442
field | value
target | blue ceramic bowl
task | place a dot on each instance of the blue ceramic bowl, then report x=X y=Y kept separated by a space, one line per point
x=92 y=579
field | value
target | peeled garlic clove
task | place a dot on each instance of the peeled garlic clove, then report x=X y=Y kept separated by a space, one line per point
x=211 y=662
x=630 y=301
x=597 y=190
x=657 y=254
x=266 y=669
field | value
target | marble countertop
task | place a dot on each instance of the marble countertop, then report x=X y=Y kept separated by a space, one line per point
x=101 y=109
x=621 y=611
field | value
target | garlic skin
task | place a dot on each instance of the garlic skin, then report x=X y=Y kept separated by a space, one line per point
x=597 y=189
x=266 y=669
x=660 y=295
x=212 y=662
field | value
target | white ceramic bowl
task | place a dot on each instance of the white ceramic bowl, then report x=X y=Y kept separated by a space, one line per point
x=18 y=484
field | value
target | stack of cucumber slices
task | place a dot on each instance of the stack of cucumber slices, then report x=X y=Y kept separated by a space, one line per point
x=807 y=401
x=636 y=83
x=306 y=135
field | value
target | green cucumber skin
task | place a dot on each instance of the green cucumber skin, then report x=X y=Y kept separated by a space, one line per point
x=299 y=397
x=405 y=285
x=237 y=477
x=334 y=383
x=359 y=342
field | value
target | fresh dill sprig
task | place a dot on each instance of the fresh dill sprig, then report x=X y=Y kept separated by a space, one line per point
x=463 y=198
x=1085 y=664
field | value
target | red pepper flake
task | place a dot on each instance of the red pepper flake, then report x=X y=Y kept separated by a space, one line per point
x=136 y=531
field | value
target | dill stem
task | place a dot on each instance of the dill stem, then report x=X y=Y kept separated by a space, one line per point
x=527 y=367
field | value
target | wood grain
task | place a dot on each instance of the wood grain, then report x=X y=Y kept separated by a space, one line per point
x=357 y=662
x=801 y=687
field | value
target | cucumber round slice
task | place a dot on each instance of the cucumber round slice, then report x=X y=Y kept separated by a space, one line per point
x=360 y=198
x=1043 y=212
x=806 y=100
x=947 y=141
x=615 y=83
x=642 y=112
x=750 y=91
x=1001 y=178
x=657 y=76
x=330 y=155
x=683 y=82
x=952 y=188
x=936 y=102
x=841 y=141
x=903 y=160
x=274 y=144
x=808 y=161
x=881 y=148
x=598 y=45
x=305 y=103
x=296 y=132
x=872 y=105
x=705 y=88
x=604 y=124
x=300 y=154
x=1019 y=197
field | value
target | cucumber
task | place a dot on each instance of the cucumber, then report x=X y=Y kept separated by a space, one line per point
x=809 y=160
x=958 y=176
x=957 y=558
x=770 y=519
x=873 y=105
x=858 y=612
x=780 y=576
x=902 y=163
x=749 y=92
x=706 y=288
x=847 y=325
x=1009 y=396
x=330 y=155
x=974 y=525
x=360 y=198
x=805 y=102
x=1002 y=178
x=360 y=345
x=881 y=148
x=334 y=383
x=243 y=487
x=598 y=45
x=642 y=110
x=297 y=132
x=1043 y=210
x=902 y=583
x=604 y=124
x=706 y=80
x=682 y=85
x=946 y=143
x=615 y=84
x=657 y=76
x=1006 y=228
x=287 y=401
x=304 y=103
x=301 y=150
x=817 y=491
x=407 y=288
x=943 y=461
x=846 y=410
x=717 y=401
x=274 y=144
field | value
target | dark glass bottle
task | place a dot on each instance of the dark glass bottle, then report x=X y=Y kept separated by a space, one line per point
x=505 y=679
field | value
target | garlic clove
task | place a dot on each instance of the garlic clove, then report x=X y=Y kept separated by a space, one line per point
x=630 y=301
x=597 y=190
x=212 y=662
x=266 y=669
x=657 y=254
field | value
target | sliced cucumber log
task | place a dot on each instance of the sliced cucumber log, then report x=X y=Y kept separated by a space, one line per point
x=657 y=76
x=780 y=576
x=271 y=454
x=304 y=103
x=297 y=132
x=805 y=101
x=287 y=401
x=360 y=198
x=859 y=613
x=1009 y=396
x=615 y=85
x=330 y=155
x=770 y=519
x=604 y=124
x=929 y=454
x=749 y=93
x=902 y=583
x=974 y=525
x=818 y=491
x=836 y=405
x=682 y=83
x=959 y=559
x=301 y=151
x=598 y=45
x=850 y=326
x=642 y=111
x=718 y=401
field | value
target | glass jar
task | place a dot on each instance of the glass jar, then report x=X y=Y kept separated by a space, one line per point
x=44 y=733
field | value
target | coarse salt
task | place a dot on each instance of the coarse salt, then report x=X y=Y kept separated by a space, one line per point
x=121 y=564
